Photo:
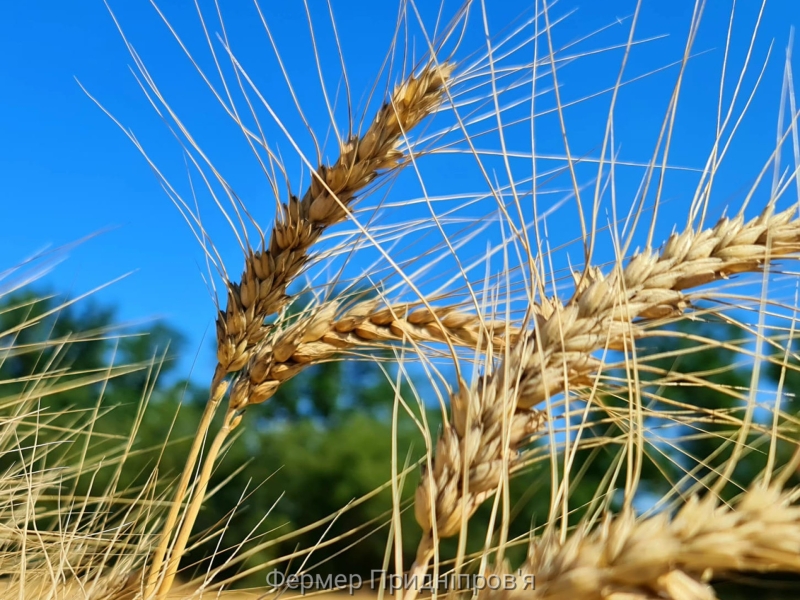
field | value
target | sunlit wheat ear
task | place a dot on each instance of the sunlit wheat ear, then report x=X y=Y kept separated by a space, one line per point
x=262 y=290
x=669 y=557
x=607 y=309
x=475 y=449
x=326 y=331
x=299 y=224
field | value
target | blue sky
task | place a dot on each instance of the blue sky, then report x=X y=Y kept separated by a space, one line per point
x=69 y=172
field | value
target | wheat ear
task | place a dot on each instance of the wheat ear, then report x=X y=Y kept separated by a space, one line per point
x=604 y=310
x=663 y=557
x=472 y=452
x=322 y=334
x=262 y=290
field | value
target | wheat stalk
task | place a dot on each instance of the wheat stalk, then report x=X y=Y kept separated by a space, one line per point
x=665 y=557
x=262 y=288
x=93 y=543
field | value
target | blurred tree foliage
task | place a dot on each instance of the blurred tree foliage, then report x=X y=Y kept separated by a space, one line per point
x=322 y=443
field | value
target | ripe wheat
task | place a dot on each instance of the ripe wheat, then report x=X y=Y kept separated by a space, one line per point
x=665 y=557
x=522 y=367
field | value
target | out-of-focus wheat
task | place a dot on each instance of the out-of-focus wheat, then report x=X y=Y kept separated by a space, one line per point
x=664 y=557
x=57 y=541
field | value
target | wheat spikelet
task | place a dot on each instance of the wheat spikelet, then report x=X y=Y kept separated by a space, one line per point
x=473 y=443
x=486 y=431
x=603 y=313
x=472 y=453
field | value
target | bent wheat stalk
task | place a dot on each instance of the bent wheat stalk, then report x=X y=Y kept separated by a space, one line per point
x=262 y=290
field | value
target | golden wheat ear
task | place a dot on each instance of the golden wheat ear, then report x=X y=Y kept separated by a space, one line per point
x=261 y=292
x=605 y=312
x=473 y=453
x=608 y=310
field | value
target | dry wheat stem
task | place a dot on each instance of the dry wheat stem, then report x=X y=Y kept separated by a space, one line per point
x=262 y=290
x=607 y=310
x=232 y=420
x=218 y=389
x=110 y=586
x=663 y=557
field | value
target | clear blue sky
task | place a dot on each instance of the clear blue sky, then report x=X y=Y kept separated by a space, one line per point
x=69 y=172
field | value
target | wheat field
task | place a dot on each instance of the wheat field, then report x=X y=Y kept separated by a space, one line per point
x=537 y=287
